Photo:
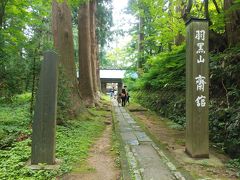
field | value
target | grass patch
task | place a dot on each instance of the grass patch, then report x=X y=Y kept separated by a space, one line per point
x=84 y=168
x=174 y=125
x=116 y=149
x=74 y=140
x=105 y=98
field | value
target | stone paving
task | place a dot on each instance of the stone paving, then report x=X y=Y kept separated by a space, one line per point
x=146 y=160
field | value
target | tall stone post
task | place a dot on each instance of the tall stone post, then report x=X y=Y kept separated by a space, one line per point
x=120 y=87
x=44 y=120
x=197 y=89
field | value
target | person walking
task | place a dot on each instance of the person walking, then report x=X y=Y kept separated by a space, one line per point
x=123 y=96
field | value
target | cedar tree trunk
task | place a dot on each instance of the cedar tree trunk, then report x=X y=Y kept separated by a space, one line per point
x=140 y=42
x=232 y=23
x=63 y=43
x=93 y=47
x=85 y=67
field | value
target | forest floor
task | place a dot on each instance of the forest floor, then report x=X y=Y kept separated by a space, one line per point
x=101 y=163
x=171 y=138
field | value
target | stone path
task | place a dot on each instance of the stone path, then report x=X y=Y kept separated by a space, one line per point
x=146 y=161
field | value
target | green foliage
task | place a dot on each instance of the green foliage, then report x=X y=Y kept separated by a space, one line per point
x=235 y=164
x=23 y=34
x=218 y=23
x=12 y=77
x=119 y=58
x=104 y=23
x=14 y=119
x=162 y=26
x=225 y=100
x=166 y=103
x=165 y=71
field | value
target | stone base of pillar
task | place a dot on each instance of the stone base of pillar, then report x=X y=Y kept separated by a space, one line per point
x=55 y=166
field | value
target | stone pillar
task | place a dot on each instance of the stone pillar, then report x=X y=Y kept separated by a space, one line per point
x=44 y=120
x=120 y=87
x=197 y=89
x=104 y=87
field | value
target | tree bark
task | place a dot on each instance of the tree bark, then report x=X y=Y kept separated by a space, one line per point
x=63 y=43
x=179 y=39
x=98 y=71
x=94 y=47
x=232 y=23
x=186 y=11
x=140 y=43
x=216 y=6
x=206 y=11
x=3 y=5
x=98 y=65
x=85 y=67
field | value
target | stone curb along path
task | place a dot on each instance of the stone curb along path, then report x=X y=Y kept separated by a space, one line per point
x=145 y=160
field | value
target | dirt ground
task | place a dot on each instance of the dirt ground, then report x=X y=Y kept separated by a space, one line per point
x=173 y=141
x=100 y=165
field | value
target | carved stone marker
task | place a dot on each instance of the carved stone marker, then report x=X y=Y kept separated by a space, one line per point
x=197 y=89
x=44 y=121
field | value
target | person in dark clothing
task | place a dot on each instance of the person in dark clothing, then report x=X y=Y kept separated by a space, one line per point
x=127 y=98
x=123 y=96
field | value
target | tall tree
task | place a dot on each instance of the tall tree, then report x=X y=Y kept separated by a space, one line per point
x=186 y=10
x=232 y=23
x=93 y=47
x=141 y=42
x=63 y=43
x=3 y=4
x=85 y=65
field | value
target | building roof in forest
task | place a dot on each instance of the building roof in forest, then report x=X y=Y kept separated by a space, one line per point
x=112 y=73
